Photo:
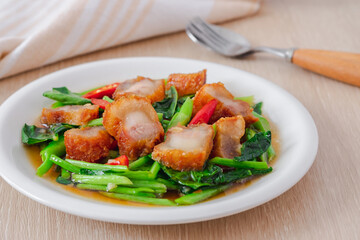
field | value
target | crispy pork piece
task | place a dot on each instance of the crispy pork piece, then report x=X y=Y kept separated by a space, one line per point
x=88 y=144
x=134 y=124
x=143 y=87
x=185 y=148
x=186 y=84
x=229 y=131
x=71 y=114
x=226 y=107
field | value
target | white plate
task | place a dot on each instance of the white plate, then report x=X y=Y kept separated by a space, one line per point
x=297 y=133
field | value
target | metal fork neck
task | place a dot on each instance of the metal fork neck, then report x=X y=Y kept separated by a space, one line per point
x=287 y=54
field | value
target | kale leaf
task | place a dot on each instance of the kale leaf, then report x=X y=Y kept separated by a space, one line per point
x=255 y=146
x=30 y=134
x=257 y=107
x=65 y=96
x=212 y=175
x=167 y=106
x=63 y=181
x=183 y=177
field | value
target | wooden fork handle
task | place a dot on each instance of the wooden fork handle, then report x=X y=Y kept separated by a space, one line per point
x=341 y=66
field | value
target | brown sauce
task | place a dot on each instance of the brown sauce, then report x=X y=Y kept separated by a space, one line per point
x=35 y=159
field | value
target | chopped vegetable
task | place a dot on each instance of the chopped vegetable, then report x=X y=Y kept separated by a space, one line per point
x=167 y=106
x=100 y=102
x=201 y=195
x=183 y=116
x=154 y=201
x=139 y=162
x=257 y=107
x=101 y=179
x=255 y=146
x=205 y=113
x=95 y=122
x=121 y=160
x=107 y=90
x=65 y=96
x=248 y=99
x=34 y=135
x=236 y=164
x=97 y=166
x=64 y=164
x=53 y=148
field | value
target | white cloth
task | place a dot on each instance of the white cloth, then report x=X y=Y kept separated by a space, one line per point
x=34 y=33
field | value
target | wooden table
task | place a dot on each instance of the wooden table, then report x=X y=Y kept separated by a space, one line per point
x=323 y=205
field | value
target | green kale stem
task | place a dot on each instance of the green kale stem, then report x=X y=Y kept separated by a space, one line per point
x=101 y=179
x=95 y=122
x=106 y=98
x=169 y=185
x=155 y=168
x=183 y=116
x=53 y=148
x=264 y=126
x=149 y=184
x=236 y=164
x=248 y=99
x=139 y=162
x=97 y=166
x=140 y=199
x=125 y=190
x=139 y=175
x=65 y=173
x=64 y=164
x=201 y=195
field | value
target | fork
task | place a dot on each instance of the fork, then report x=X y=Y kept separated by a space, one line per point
x=341 y=66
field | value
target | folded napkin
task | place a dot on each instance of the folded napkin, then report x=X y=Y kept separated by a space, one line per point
x=39 y=32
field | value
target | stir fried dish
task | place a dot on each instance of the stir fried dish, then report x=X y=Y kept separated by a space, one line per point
x=141 y=139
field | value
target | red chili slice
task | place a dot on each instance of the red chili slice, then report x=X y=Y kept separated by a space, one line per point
x=100 y=102
x=122 y=160
x=107 y=90
x=205 y=113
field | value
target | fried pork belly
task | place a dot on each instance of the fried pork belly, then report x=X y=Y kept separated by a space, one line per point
x=88 y=144
x=154 y=90
x=185 y=148
x=135 y=125
x=71 y=114
x=186 y=84
x=226 y=107
x=229 y=131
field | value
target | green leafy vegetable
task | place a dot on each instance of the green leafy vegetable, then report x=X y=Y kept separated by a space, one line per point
x=65 y=96
x=183 y=116
x=261 y=171
x=263 y=124
x=31 y=134
x=255 y=146
x=62 y=180
x=201 y=195
x=181 y=101
x=167 y=106
x=248 y=99
x=95 y=122
x=257 y=107
x=54 y=147
x=236 y=164
x=214 y=175
x=184 y=178
x=155 y=201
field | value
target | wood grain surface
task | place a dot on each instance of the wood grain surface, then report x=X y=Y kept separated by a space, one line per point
x=323 y=205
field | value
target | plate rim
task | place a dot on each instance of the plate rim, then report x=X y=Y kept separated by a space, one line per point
x=224 y=213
